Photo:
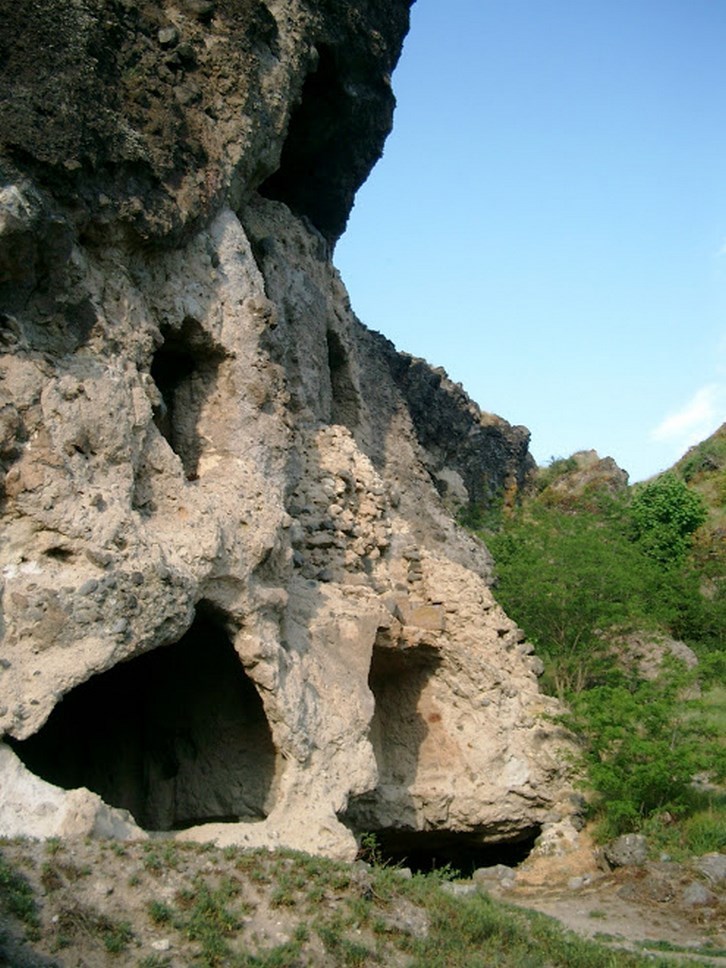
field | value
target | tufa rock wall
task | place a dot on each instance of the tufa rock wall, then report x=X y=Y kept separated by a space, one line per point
x=234 y=603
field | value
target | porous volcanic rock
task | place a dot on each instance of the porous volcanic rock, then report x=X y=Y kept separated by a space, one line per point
x=234 y=601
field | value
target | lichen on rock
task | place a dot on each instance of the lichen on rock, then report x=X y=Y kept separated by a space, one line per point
x=235 y=602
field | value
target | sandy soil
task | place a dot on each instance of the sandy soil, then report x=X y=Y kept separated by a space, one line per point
x=630 y=908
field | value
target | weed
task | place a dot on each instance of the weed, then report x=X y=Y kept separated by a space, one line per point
x=53 y=845
x=160 y=856
x=50 y=877
x=17 y=898
x=159 y=912
x=153 y=961
x=282 y=956
x=77 y=921
x=370 y=850
x=208 y=920
x=116 y=935
x=345 y=951
x=707 y=949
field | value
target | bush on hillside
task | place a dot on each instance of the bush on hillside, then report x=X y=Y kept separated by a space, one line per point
x=664 y=516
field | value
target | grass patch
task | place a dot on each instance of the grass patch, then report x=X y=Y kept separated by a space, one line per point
x=475 y=932
x=701 y=831
x=77 y=921
x=707 y=950
x=206 y=919
x=17 y=898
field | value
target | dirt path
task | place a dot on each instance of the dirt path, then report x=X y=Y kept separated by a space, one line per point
x=631 y=908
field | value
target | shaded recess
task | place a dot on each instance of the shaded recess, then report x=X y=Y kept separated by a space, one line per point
x=334 y=137
x=397 y=680
x=178 y=736
x=401 y=723
x=398 y=729
x=310 y=155
x=427 y=850
x=345 y=408
x=184 y=369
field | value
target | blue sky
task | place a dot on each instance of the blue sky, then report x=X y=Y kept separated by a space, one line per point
x=548 y=221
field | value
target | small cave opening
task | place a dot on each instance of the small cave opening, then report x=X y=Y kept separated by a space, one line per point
x=310 y=162
x=184 y=369
x=178 y=736
x=428 y=850
x=345 y=407
x=408 y=739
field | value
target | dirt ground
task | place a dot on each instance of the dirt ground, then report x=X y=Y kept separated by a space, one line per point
x=108 y=904
x=630 y=908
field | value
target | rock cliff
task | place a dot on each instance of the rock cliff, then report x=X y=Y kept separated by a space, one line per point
x=235 y=602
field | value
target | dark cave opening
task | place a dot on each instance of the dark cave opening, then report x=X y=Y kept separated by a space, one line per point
x=310 y=162
x=178 y=736
x=428 y=850
x=345 y=408
x=406 y=727
x=184 y=369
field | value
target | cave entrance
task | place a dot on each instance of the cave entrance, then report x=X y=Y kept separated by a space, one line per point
x=407 y=736
x=344 y=403
x=310 y=161
x=184 y=369
x=178 y=736
x=428 y=850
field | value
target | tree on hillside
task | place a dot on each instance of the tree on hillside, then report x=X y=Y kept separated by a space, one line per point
x=664 y=516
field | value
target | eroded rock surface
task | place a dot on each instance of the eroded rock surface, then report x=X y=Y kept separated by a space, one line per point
x=235 y=601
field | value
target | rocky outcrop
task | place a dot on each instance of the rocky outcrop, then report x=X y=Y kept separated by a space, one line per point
x=234 y=602
x=577 y=478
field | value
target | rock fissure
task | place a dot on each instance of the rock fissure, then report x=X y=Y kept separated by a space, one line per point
x=185 y=369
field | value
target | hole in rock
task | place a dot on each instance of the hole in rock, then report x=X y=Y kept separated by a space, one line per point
x=184 y=369
x=178 y=736
x=429 y=850
x=344 y=407
x=408 y=738
x=399 y=728
x=314 y=152
x=401 y=733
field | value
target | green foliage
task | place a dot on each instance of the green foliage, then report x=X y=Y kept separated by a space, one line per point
x=702 y=831
x=643 y=745
x=208 y=919
x=564 y=578
x=159 y=912
x=557 y=468
x=664 y=516
x=476 y=932
x=705 y=458
x=17 y=898
x=575 y=578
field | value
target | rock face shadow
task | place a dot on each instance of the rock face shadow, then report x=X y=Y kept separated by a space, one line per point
x=185 y=369
x=178 y=736
x=397 y=680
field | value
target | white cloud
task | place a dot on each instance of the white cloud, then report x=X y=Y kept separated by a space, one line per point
x=697 y=419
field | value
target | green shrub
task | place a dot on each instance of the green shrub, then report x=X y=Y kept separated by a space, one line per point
x=17 y=898
x=564 y=578
x=643 y=744
x=664 y=515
